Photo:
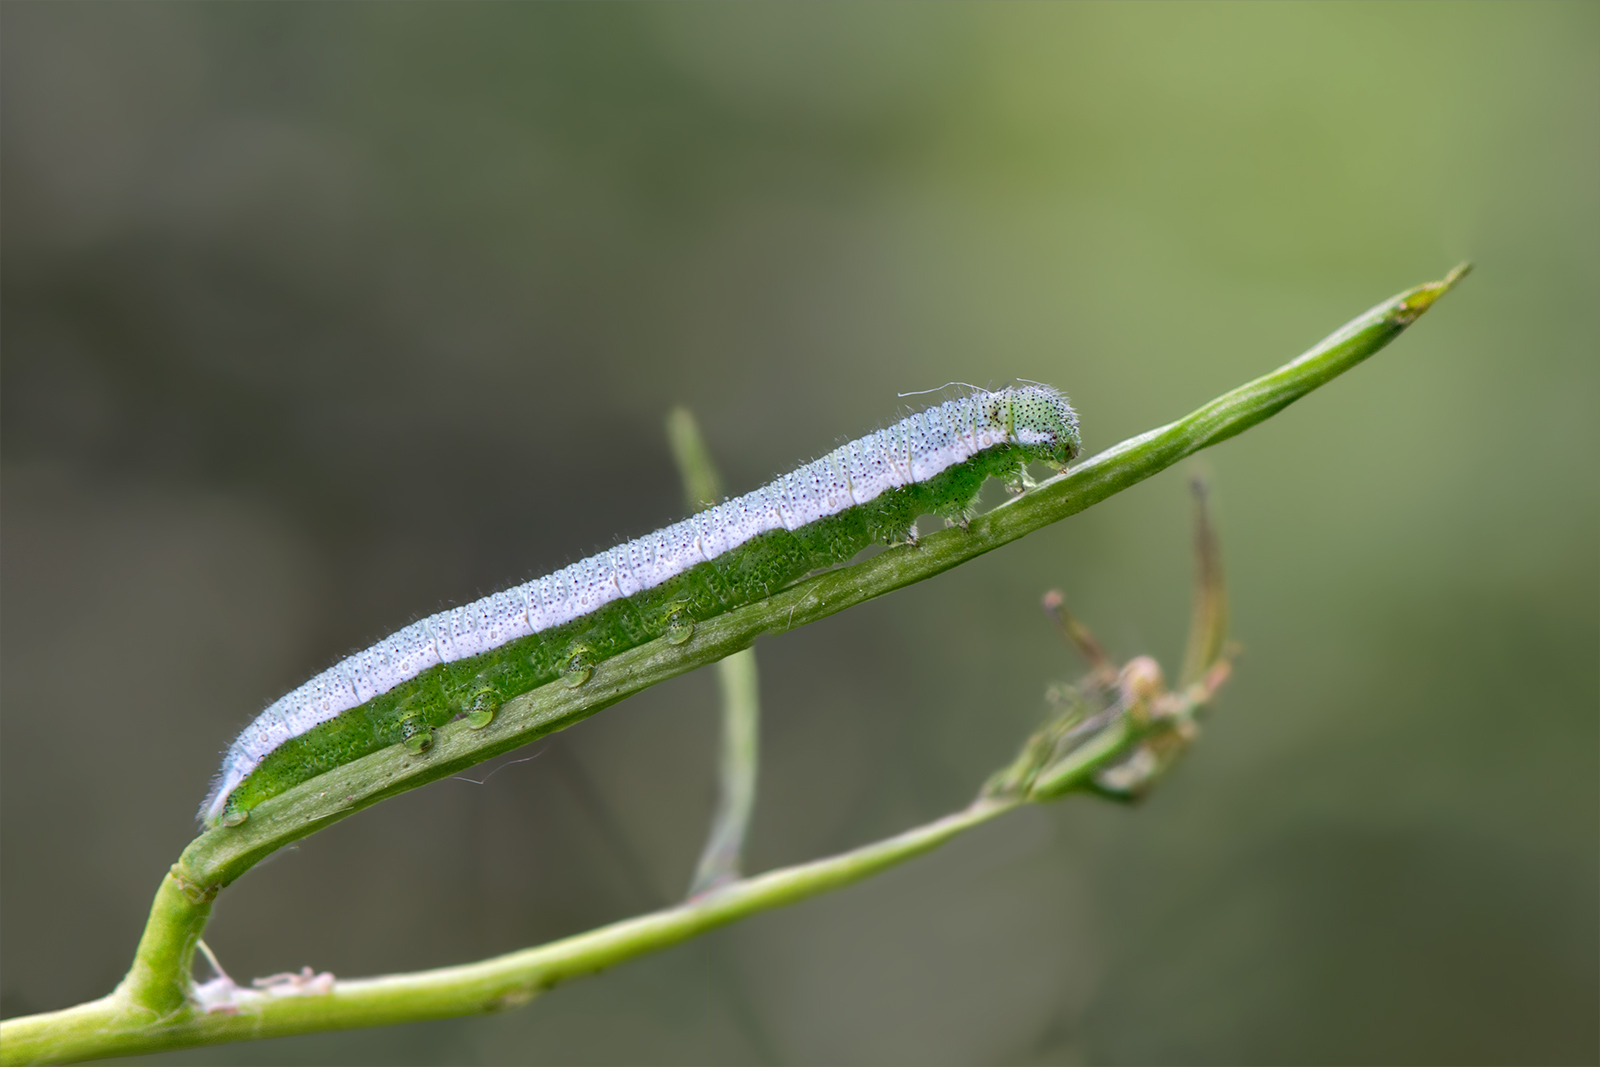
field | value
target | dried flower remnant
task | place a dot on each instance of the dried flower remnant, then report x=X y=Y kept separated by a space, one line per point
x=1118 y=730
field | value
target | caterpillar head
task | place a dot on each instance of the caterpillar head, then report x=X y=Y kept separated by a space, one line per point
x=1040 y=418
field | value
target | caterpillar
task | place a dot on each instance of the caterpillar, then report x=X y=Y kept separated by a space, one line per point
x=464 y=663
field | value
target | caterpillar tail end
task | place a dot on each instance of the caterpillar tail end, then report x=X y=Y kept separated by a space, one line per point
x=214 y=812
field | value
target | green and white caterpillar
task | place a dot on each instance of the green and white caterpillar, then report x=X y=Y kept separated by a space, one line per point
x=467 y=661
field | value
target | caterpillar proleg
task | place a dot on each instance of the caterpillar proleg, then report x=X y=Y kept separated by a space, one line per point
x=467 y=661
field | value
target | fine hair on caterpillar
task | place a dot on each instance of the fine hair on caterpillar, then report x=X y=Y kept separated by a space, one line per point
x=464 y=663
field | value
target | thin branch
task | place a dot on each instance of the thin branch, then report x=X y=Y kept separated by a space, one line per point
x=108 y=1027
x=1076 y=634
x=1208 y=620
x=702 y=482
x=738 y=681
x=736 y=792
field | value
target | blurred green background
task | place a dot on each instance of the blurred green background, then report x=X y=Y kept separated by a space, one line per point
x=320 y=317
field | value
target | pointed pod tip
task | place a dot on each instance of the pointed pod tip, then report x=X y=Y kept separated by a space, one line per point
x=1420 y=299
x=1461 y=271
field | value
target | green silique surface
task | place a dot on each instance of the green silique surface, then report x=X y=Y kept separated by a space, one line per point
x=752 y=571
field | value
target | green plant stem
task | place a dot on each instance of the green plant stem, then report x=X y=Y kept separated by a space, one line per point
x=736 y=778
x=1105 y=747
x=1208 y=617
x=219 y=856
x=178 y=917
x=737 y=679
x=702 y=482
x=107 y=1027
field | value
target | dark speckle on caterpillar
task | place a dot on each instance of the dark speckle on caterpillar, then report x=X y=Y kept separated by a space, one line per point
x=466 y=662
